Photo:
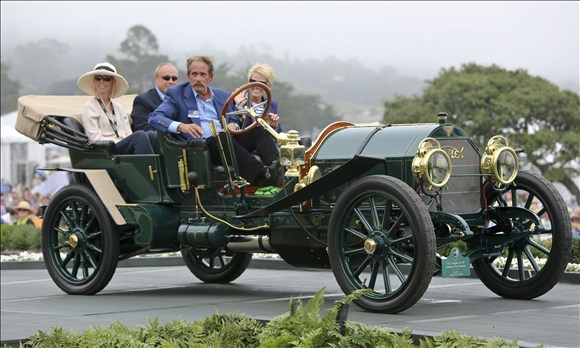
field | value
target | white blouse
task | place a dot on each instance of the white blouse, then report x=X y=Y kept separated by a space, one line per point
x=97 y=125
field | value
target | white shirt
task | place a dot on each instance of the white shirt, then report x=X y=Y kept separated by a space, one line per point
x=97 y=125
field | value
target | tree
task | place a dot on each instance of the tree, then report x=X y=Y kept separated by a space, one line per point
x=10 y=90
x=38 y=64
x=488 y=100
x=142 y=56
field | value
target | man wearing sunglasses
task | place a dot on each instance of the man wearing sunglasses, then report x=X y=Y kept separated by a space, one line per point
x=166 y=76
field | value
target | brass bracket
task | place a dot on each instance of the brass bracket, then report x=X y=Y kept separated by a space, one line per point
x=183 y=170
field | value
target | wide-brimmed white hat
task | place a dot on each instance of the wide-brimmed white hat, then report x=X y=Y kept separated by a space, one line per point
x=87 y=83
x=23 y=205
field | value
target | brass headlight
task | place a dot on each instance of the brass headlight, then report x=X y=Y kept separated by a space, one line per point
x=431 y=165
x=500 y=161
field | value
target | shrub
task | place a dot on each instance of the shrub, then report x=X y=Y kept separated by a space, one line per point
x=452 y=339
x=575 y=252
x=20 y=237
x=446 y=249
x=546 y=243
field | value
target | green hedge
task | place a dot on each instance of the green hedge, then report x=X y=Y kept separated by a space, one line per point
x=575 y=252
x=301 y=326
x=21 y=237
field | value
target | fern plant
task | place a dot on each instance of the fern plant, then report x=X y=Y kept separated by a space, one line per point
x=302 y=326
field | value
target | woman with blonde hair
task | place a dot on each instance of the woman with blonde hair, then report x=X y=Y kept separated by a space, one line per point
x=253 y=141
x=262 y=73
x=104 y=119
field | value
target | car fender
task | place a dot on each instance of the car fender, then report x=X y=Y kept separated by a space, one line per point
x=105 y=189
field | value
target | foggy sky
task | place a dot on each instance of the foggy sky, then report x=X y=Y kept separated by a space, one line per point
x=419 y=38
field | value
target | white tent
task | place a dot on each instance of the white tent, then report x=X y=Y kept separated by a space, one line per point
x=9 y=135
x=20 y=154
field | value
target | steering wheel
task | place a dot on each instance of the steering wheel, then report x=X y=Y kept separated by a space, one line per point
x=245 y=112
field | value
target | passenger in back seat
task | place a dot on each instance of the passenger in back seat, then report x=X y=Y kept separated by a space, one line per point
x=104 y=119
x=166 y=76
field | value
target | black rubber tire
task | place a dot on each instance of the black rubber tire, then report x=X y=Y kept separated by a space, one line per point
x=527 y=285
x=76 y=213
x=407 y=248
x=205 y=268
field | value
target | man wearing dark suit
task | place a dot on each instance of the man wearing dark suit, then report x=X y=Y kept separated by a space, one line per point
x=189 y=107
x=166 y=76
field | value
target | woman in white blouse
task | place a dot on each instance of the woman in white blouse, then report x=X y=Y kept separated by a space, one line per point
x=104 y=119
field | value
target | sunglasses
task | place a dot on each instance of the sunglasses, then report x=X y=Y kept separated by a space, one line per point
x=103 y=78
x=167 y=78
x=264 y=82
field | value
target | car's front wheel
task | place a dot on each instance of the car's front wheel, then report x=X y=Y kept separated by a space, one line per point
x=380 y=237
x=522 y=275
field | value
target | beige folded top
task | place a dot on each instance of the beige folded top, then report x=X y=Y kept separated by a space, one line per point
x=38 y=106
x=33 y=108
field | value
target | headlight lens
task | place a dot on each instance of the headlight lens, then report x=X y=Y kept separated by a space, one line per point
x=507 y=165
x=500 y=161
x=431 y=165
x=438 y=168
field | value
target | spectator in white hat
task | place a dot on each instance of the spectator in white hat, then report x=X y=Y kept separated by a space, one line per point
x=104 y=119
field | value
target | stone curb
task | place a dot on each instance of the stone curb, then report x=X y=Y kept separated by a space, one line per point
x=573 y=278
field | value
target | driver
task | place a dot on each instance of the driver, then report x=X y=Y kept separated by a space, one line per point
x=189 y=107
x=253 y=140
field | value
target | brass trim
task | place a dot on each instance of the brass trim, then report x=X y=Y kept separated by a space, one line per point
x=448 y=130
x=241 y=228
x=183 y=170
x=73 y=240
x=313 y=174
x=489 y=161
x=370 y=246
x=152 y=173
x=309 y=153
x=427 y=148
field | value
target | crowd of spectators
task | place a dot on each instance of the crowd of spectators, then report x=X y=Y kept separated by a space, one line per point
x=19 y=202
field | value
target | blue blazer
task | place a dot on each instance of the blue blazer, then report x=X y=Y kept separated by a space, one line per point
x=178 y=101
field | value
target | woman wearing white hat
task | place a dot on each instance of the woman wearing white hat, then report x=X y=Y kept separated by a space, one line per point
x=104 y=119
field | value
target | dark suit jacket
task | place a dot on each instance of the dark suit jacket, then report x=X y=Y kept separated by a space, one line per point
x=144 y=104
x=178 y=101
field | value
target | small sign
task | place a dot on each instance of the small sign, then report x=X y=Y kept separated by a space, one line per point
x=193 y=114
x=455 y=265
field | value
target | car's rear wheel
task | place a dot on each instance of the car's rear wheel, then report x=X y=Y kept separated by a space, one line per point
x=80 y=243
x=380 y=237
x=522 y=276
x=216 y=266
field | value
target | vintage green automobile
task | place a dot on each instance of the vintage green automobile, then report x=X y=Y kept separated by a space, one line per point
x=372 y=202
